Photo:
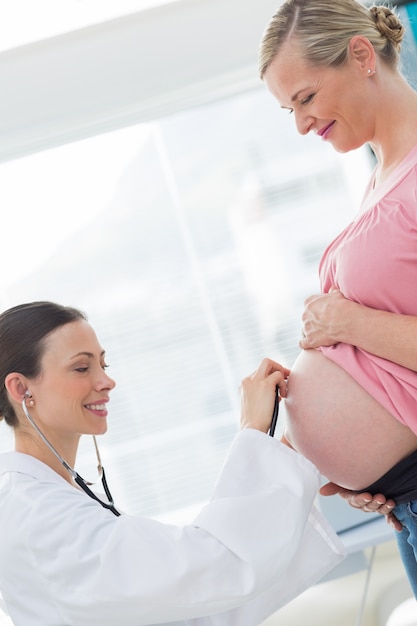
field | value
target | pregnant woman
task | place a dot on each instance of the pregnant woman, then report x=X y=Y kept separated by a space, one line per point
x=352 y=393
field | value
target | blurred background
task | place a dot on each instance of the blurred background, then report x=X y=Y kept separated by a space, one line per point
x=148 y=178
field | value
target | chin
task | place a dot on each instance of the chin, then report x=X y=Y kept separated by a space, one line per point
x=344 y=149
x=98 y=429
x=348 y=147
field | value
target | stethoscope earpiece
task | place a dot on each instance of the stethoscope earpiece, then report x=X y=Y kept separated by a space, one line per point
x=28 y=395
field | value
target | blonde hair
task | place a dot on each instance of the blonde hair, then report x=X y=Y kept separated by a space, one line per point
x=323 y=29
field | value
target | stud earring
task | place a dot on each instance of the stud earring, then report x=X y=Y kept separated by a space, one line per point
x=371 y=72
x=31 y=402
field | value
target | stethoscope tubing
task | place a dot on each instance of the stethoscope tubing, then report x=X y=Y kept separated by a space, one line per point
x=275 y=413
x=79 y=480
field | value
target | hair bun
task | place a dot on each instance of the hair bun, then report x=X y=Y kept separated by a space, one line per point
x=388 y=24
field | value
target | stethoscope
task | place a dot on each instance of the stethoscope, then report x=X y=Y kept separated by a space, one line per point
x=275 y=413
x=75 y=475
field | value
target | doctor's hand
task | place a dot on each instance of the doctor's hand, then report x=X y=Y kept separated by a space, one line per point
x=324 y=319
x=366 y=502
x=258 y=394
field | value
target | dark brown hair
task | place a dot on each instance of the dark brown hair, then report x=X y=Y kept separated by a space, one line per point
x=23 y=330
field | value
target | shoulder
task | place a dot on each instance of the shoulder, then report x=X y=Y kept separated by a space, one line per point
x=32 y=495
x=407 y=170
x=399 y=191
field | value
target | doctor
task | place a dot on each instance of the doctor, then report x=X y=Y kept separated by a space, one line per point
x=68 y=557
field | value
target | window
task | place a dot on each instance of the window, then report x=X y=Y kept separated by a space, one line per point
x=191 y=243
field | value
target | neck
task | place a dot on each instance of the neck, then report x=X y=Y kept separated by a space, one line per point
x=29 y=442
x=393 y=141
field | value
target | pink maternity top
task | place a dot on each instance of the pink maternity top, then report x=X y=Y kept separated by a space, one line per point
x=374 y=262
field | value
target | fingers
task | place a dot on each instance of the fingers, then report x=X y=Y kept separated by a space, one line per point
x=371 y=504
x=365 y=502
x=311 y=299
x=258 y=391
x=394 y=523
x=356 y=500
x=315 y=296
x=274 y=373
x=322 y=321
x=267 y=366
x=330 y=489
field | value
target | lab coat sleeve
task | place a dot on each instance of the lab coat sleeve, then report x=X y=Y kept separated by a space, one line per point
x=239 y=552
x=308 y=545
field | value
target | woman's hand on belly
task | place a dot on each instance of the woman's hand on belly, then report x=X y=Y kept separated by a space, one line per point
x=331 y=318
x=324 y=319
x=366 y=502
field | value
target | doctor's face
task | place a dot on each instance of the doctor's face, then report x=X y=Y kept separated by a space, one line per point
x=332 y=102
x=71 y=393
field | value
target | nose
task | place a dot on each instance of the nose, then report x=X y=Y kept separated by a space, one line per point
x=304 y=123
x=105 y=382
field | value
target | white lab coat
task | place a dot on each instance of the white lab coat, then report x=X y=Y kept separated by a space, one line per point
x=66 y=561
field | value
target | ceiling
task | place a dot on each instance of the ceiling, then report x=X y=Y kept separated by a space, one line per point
x=98 y=71
x=48 y=18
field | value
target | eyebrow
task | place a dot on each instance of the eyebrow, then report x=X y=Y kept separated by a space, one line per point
x=295 y=96
x=87 y=354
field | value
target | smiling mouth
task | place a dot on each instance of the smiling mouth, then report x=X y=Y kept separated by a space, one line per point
x=96 y=407
x=323 y=131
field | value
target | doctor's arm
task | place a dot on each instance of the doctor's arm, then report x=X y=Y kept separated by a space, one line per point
x=251 y=537
x=331 y=318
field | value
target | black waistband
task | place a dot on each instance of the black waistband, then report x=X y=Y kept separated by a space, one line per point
x=399 y=483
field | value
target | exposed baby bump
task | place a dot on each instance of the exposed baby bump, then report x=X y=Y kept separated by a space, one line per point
x=335 y=423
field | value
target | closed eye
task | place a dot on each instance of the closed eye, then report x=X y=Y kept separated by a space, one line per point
x=308 y=99
x=84 y=369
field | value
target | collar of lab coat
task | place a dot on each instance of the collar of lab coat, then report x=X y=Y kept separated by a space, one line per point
x=31 y=466
x=27 y=464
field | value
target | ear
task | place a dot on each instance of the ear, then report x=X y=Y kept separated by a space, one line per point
x=16 y=385
x=362 y=52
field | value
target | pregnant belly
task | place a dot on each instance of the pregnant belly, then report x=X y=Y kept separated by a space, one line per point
x=336 y=424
